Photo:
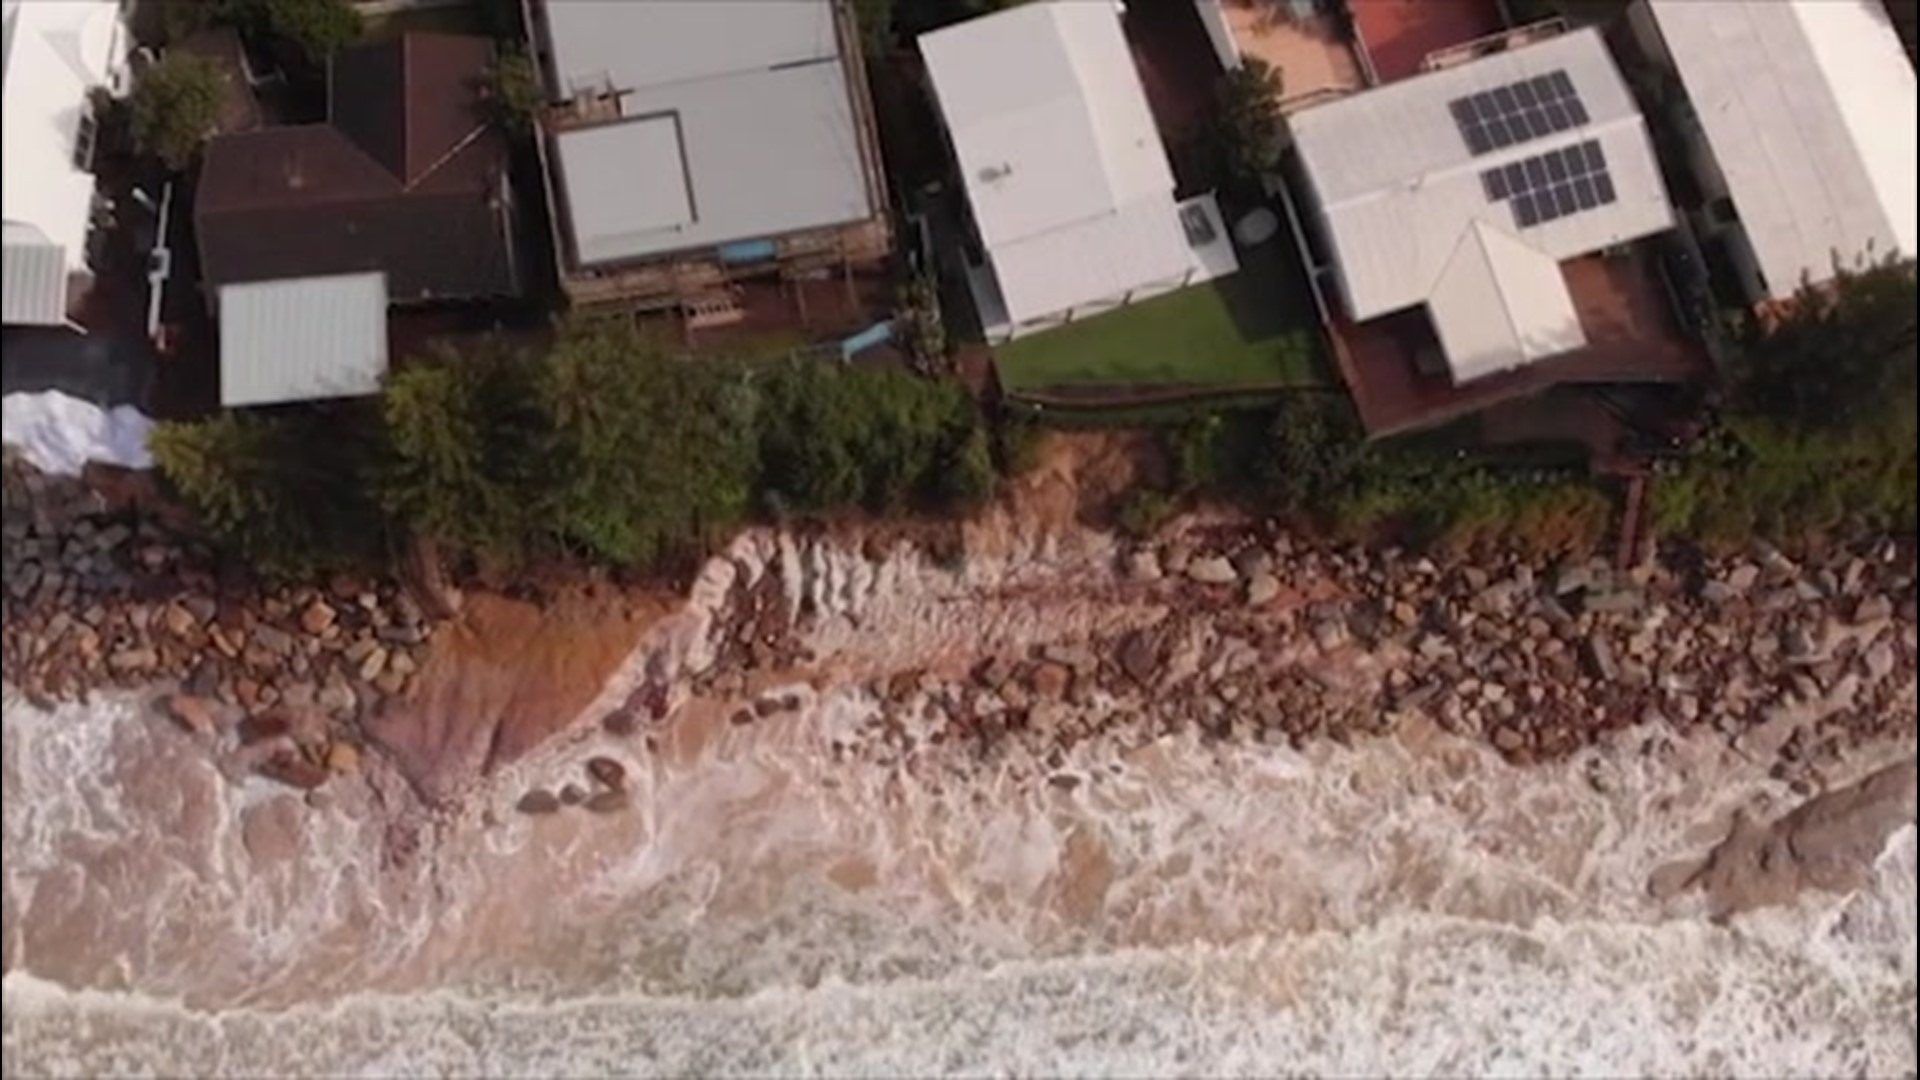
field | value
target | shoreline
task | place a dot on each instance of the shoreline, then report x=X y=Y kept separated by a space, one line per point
x=1003 y=650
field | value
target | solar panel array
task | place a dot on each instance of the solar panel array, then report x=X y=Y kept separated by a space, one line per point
x=1518 y=112
x=1552 y=185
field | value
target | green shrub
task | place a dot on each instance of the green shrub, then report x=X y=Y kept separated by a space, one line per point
x=1144 y=511
x=175 y=108
x=288 y=492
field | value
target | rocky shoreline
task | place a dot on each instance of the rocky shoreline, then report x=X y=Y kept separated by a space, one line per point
x=1255 y=637
x=100 y=599
x=1223 y=629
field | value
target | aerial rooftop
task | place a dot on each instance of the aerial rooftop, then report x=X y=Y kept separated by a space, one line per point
x=1809 y=107
x=1068 y=180
x=735 y=123
x=1462 y=190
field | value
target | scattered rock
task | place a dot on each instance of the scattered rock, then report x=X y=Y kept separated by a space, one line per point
x=1212 y=570
x=1139 y=657
x=1143 y=565
x=194 y=714
x=1330 y=634
x=1262 y=589
x=1050 y=681
x=343 y=757
x=318 y=618
x=573 y=794
x=294 y=770
x=261 y=727
x=273 y=640
x=538 y=801
x=608 y=772
x=607 y=802
x=1600 y=660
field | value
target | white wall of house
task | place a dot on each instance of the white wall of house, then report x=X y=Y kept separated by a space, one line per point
x=1219 y=33
x=56 y=53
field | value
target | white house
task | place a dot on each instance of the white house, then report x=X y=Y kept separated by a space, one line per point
x=1462 y=190
x=55 y=52
x=1071 y=193
x=1801 y=118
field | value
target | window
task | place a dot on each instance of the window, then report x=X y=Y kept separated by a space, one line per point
x=84 y=139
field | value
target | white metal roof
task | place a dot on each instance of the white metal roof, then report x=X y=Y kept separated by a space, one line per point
x=1809 y=107
x=1501 y=303
x=641 y=44
x=1069 y=182
x=302 y=339
x=1410 y=221
x=53 y=52
x=33 y=278
x=765 y=139
x=756 y=155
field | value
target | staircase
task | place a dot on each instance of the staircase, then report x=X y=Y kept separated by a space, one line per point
x=1634 y=530
x=712 y=309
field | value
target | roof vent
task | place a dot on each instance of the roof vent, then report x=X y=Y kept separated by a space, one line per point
x=994 y=172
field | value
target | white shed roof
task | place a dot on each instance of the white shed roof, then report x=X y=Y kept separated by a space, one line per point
x=1403 y=194
x=1809 y=107
x=52 y=51
x=1069 y=182
x=33 y=278
x=302 y=339
x=737 y=124
x=1501 y=303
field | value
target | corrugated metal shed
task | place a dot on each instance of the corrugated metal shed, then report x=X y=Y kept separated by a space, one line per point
x=768 y=141
x=1398 y=185
x=1064 y=168
x=33 y=279
x=302 y=339
x=1809 y=107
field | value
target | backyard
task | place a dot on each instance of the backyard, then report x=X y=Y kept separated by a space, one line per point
x=1253 y=331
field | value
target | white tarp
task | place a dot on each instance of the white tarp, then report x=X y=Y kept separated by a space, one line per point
x=60 y=434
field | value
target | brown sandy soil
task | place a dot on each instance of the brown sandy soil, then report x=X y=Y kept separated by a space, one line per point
x=506 y=675
x=1079 y=478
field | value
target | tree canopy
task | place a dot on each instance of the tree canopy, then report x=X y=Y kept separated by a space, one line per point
x=1837 y=357
x=1248 y=130
x=176 y=107
x=514 y=94
x=286 y=491
x=609 y=447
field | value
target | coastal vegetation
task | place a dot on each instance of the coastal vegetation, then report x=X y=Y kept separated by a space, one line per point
x=608 y=448
x=1815 y=442
x=1817 y=437
x=175 y=108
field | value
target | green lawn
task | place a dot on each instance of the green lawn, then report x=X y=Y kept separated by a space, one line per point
x=1256 y=328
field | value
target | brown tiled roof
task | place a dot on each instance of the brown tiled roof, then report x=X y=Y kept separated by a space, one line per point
x=406 y=176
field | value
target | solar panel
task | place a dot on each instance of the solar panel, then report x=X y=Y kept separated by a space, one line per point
x=1552 y=185
x=1518 y=112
